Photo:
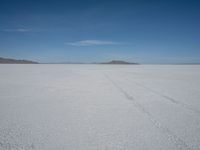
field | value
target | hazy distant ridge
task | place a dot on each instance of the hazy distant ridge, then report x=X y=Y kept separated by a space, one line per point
x=15 y=61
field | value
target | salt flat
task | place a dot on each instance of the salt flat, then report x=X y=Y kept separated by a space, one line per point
x=99 y=107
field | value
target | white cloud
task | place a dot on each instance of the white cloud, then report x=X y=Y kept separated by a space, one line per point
x=91 y=43
x=17 y=30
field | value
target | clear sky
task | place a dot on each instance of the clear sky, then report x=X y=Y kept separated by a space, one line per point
x=144 y=31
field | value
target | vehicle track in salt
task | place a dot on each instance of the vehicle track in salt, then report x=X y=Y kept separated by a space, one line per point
x=168 y=98
x=181 y=144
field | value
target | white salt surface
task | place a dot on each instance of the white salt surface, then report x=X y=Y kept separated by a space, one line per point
x=99 y=107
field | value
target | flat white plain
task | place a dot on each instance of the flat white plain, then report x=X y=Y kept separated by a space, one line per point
x=99 y=107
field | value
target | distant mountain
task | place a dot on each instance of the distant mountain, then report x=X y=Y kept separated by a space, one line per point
x=120 y=62
x=14 y=61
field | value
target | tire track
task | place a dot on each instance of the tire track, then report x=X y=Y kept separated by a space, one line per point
x=181 y=144
x=168 y=98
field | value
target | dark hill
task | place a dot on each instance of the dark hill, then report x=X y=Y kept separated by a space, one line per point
x=119 y=62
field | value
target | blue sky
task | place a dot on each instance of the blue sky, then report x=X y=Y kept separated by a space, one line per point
x=144 y=31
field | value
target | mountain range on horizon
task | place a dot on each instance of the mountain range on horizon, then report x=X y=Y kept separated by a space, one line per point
x=4 y=60
x=23 y=61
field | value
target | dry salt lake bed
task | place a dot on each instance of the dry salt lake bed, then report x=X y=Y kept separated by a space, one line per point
x=99 y=107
